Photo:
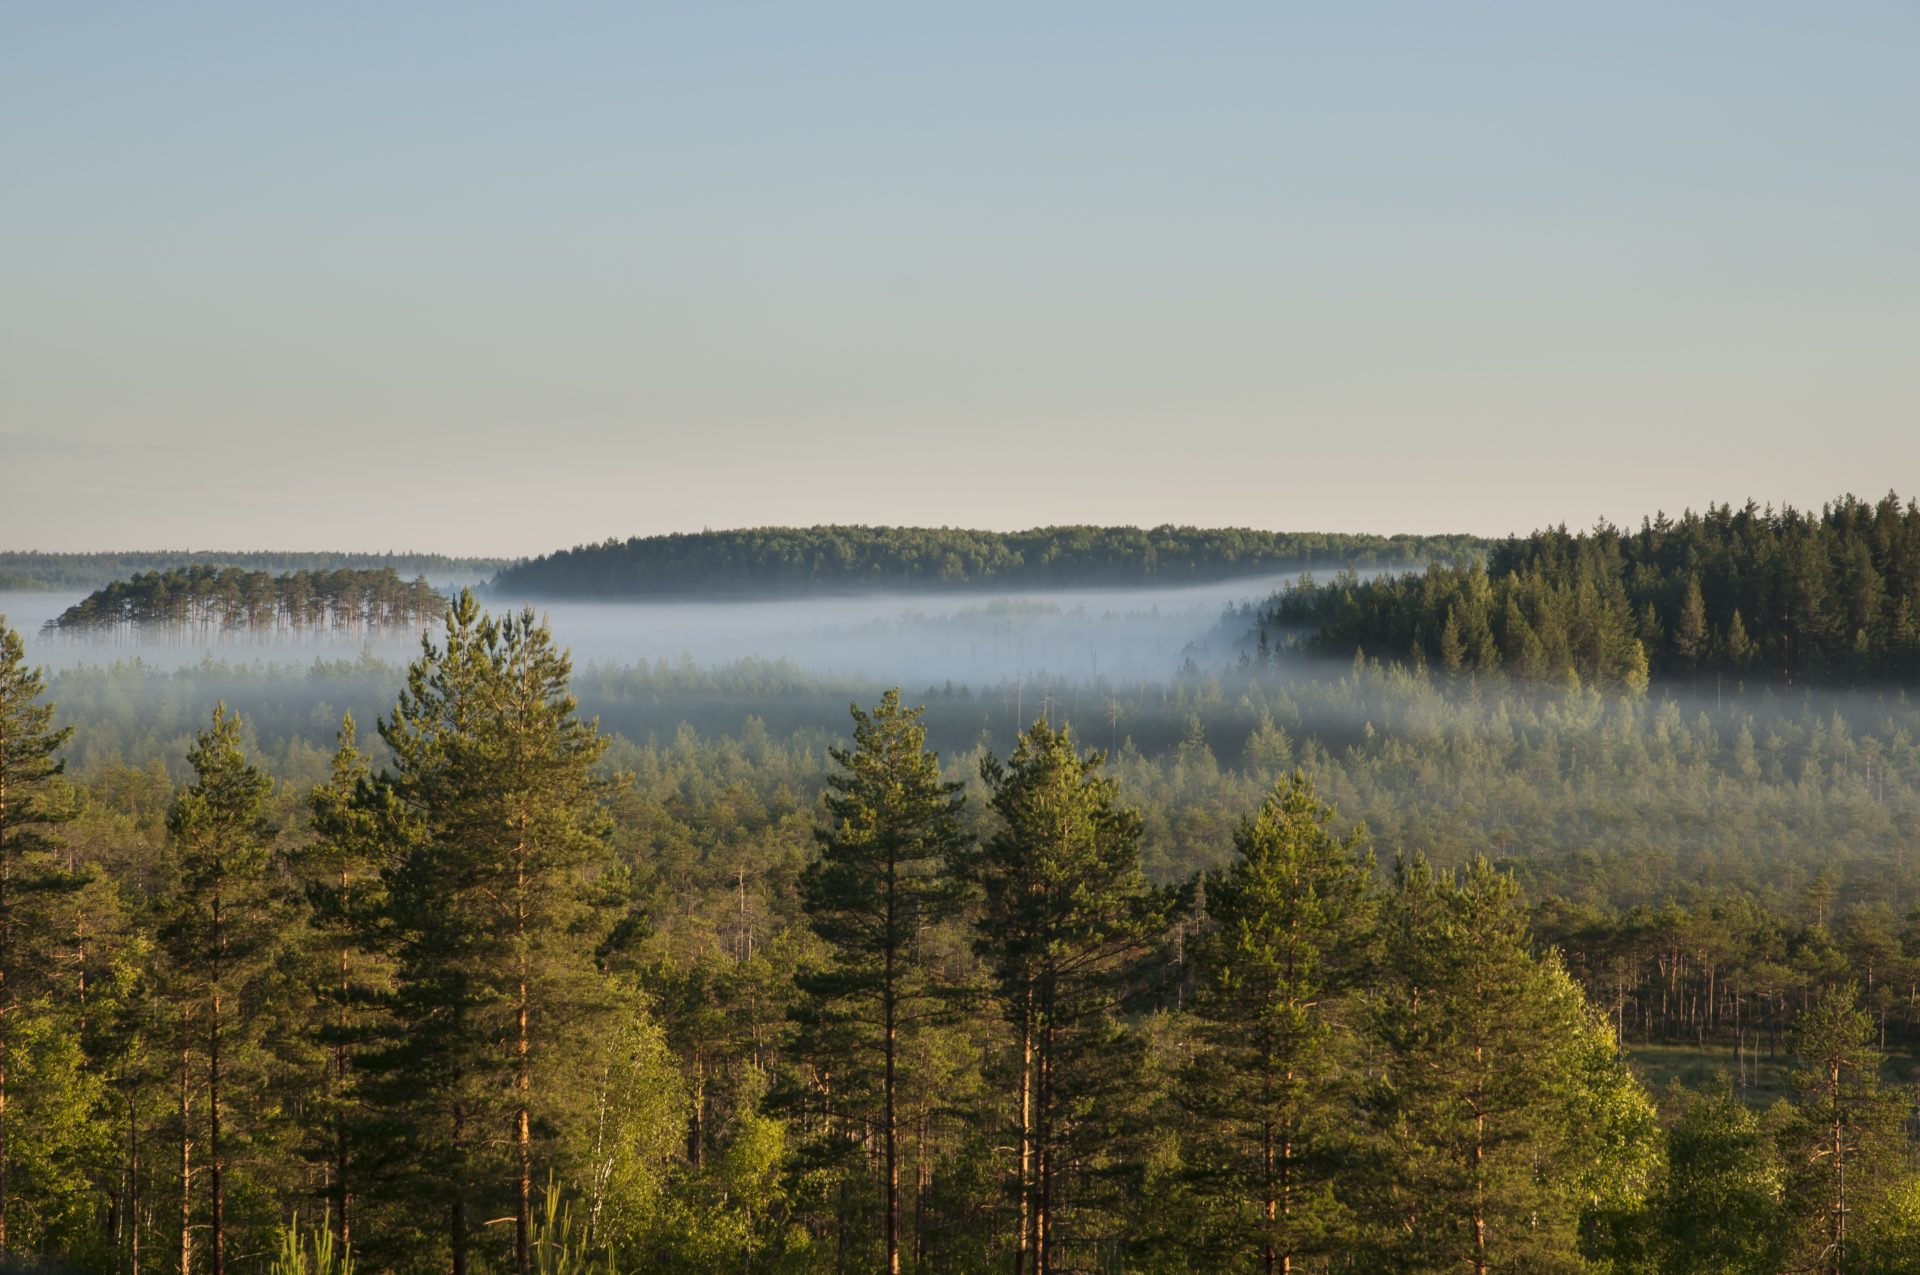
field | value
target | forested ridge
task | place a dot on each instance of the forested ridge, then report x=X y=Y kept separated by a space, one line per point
x=1774 y=594
x=195 y=603
x=827 y=558
x=496 y=986
x=30 y=569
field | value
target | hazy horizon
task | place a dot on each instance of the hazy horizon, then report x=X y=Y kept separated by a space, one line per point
x=493 y=282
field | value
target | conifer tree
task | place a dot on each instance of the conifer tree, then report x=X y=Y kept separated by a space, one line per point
x=1841 y=1144
x=29 y=868
x=217 y=935
x=1288 y=938
x=1064 y=916
x=494 y=810
x=340 y=871
x=1690 y=633
x=878 y=884
x=1503 y=1108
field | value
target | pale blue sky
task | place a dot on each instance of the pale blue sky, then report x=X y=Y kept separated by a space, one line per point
x=488 y=278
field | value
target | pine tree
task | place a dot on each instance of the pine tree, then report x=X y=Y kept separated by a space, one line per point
x=29 y=868
x=1272 y=1082
x=1841 y=1146
x=340 y=870
x=494 y=811
x=1504 y=1111
x=1064 y=916
x=217 y=934
x=878 y=885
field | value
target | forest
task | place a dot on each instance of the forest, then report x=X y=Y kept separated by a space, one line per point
x=197 y=602
x=1748 y=593
x=22 y=569
x=765 y=560
x=488 y=963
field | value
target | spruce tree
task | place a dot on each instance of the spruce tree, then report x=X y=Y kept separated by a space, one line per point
x=1690 y=632
x=877 y=887
x=1289 y=929
x=29 y=867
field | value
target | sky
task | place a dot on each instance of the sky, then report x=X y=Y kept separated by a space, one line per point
x=498 y=279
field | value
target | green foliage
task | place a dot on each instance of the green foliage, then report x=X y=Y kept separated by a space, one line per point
x=1274 y=1083
x=304 y=1250
x=1776 y=595
x=792 y=559
x=197 y=601
x=29 y=569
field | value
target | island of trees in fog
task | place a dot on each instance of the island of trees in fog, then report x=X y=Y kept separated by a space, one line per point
x=196 y=603
x=766 y=560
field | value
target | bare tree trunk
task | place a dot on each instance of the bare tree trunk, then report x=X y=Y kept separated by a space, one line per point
x=1043 y=1212
x=213 y=1137
x=1025 y=1244
x=344 y=1226
x=186 y=1156
x=892 y=1085
x=522 y=1077
x=1479 y=1174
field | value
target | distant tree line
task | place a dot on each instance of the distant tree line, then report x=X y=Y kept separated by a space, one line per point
x=29 y=570
x=828 y=558
x=198 y=602
x=1751 y=593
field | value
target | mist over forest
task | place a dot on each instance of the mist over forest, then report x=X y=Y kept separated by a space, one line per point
x=1676 y=842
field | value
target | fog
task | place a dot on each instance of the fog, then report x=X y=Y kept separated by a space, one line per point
x=912 y=638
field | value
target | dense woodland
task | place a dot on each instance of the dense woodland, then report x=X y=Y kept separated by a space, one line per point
x=1115 y=980
x=1748 y=593
x=196 y=603
x=27 y=569
x=765 y=560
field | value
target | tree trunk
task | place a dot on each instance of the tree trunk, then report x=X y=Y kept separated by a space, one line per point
x=1025 y=1244
x=214 y=1164
x=133 y=1188
x=342 y=1192
x=522 y=1077
x=892 y=1083
x=1043 y=1211
x=186 y=1156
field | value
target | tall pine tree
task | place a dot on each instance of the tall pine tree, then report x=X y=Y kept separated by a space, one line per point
x=218 y=934
x=30 y=870
x=1065 y=916
x=877 y=887
x=494 y=809
x=1273 y=1081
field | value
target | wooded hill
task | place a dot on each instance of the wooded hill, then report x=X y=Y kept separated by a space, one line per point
x=1750 y=593
x=200 y=601
x=26 y=569
x=848 y=558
